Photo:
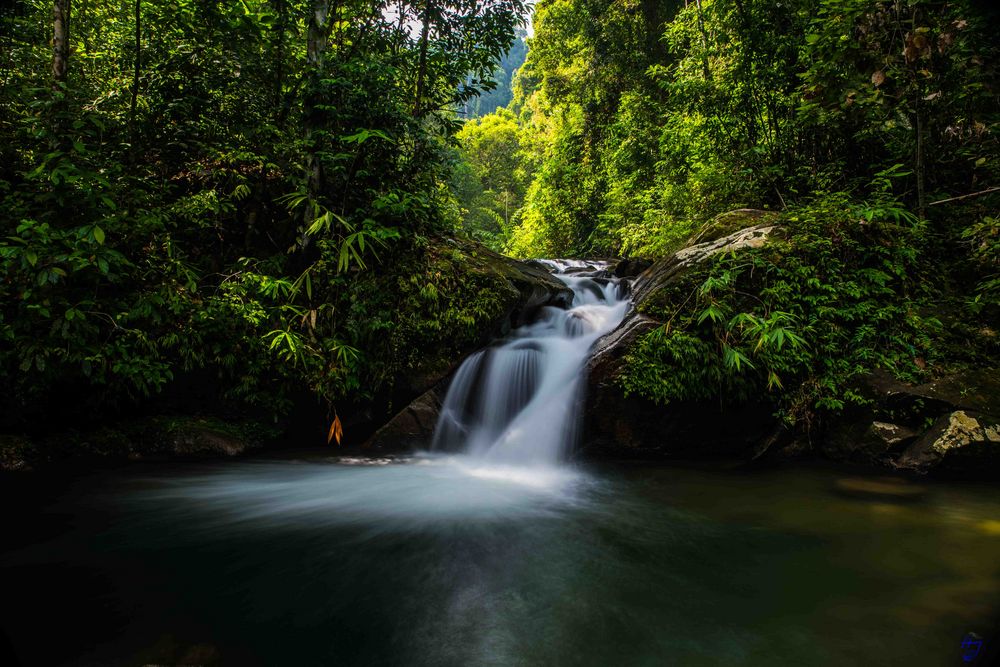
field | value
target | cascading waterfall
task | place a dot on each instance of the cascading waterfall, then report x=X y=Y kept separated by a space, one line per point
x=517 y=403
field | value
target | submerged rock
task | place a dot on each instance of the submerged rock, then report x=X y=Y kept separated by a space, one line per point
x=883 y=488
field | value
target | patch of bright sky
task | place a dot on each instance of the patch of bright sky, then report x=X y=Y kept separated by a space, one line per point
x=413 y=26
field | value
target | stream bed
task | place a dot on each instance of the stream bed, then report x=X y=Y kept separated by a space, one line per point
x=447 y=560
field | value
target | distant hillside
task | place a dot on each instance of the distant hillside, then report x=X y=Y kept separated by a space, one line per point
x=500 y=96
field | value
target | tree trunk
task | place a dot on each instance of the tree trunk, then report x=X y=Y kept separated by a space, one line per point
x=279 y=58
x=921 y=170
x=704 y=44
x=135 y=84
x=319 y=28
x=60 y=43
x=422 y=62
x=316 y=41
x=60 y=67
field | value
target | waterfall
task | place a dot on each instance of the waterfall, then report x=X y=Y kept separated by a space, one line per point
x=518 y=402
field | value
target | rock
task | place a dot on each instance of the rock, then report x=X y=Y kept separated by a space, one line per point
x=483 y=295
x=620 y=425
x=412 y=427
x=522 y=287
x=535 y=285
x=886 y=429
x=631 y=267
x=15 y=453
x=201 y=439
x=961 y=442
x=667 y=270
x=729 y=222
x=865 y=440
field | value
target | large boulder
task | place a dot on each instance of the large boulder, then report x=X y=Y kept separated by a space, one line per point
x=515 y=290
x=512 y=291
x=959 y=443
x=412 y=427
x=731 y=222
x=439 y=305
x=620 y=425
x=946 y=426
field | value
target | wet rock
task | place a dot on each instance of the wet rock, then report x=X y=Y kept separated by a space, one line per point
x=511 y=293
x=961 y=442
x=412 y=427
x=866 y=440
x=631 y=267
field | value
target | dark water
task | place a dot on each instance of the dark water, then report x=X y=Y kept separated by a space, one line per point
x=441 y=562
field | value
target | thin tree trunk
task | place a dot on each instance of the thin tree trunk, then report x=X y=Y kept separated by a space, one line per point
x=132 y=138
x=704 y=43
x=60 y=43
x=316 y=41
x=921 y=171
x=279 y=58
x=319 y=30
x=60 y=66
x=422 y=62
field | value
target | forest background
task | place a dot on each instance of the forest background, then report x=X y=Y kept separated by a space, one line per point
x=241 y=207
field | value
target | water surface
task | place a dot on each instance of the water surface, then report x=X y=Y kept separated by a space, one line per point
x=441 y=560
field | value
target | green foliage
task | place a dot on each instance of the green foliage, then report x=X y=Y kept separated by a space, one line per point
x=984 y=240
x=647 y=119
x=839 y=292
x=210 y=194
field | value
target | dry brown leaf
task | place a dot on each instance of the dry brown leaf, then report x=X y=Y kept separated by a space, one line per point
x=336 y=430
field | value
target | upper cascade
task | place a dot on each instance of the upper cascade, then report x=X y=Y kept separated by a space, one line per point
x=518 y=402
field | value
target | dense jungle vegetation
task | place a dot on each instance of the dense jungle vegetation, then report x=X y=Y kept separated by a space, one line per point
x=233 y=206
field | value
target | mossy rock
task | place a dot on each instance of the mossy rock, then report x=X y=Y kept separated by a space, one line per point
x=730 y=222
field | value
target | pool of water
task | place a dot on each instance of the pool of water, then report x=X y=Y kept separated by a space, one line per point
x=445 y=561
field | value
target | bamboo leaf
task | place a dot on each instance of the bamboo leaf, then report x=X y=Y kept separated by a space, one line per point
x=336 y=430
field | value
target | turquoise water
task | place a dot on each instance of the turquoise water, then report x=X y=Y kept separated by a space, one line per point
x=441 y=561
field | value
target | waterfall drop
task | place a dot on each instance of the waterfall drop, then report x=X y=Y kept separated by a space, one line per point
x=518 y=402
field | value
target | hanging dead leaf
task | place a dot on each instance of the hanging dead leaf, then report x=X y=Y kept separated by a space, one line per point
x=878 y=78
x=336 y=430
